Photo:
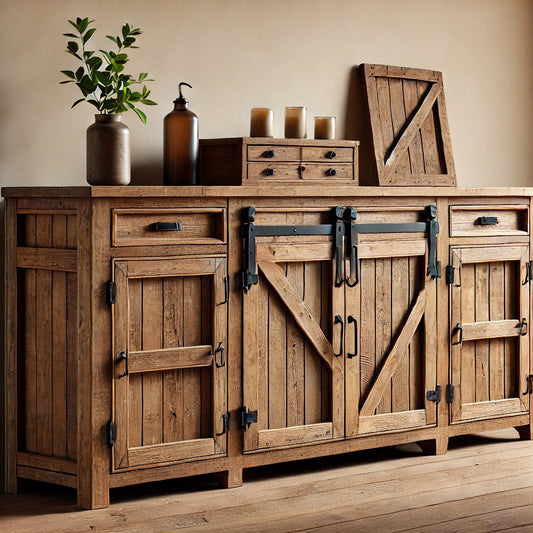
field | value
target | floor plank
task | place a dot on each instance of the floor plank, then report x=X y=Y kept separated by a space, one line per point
x=484 y=483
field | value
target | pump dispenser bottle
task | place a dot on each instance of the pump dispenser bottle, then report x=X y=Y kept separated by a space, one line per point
x=181 y=144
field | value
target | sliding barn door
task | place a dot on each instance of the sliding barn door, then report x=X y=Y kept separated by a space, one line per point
x=490 y=331
x=391 y=353
x=169 y=362
x=292 y=347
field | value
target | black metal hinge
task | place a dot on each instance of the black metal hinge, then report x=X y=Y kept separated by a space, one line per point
x=247 y=418
x=449 y=392
x=529 y=389
x=111 y=431
x=434 y=395
x=111 y=292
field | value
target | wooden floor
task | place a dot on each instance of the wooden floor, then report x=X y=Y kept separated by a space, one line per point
x=484 y=483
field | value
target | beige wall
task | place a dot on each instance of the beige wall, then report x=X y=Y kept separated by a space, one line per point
x=243 y=53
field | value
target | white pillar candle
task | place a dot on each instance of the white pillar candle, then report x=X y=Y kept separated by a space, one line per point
x=324 y=127
x=262 y=122
x=296 y=122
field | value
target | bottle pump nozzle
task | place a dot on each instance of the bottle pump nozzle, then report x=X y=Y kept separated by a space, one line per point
x=181 y=98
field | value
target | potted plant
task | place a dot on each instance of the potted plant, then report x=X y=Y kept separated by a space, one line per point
x=104 y=84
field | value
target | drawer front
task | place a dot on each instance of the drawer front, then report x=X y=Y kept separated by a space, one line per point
x=327 y=153
x=329 y=171
x=273 y=153
x=472 y=221
x=152 y=227
x=274 y=171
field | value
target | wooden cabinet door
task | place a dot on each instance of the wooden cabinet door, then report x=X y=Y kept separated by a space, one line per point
x=489 y=325
x=293 y=367
x=170 y=323
x=391 y=352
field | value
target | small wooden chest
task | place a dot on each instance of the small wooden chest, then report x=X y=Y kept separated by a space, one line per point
x=257 y=161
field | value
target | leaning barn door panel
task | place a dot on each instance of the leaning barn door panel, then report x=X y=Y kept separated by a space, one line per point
x=292 y=377
x=392 y=365
x=169 y=361
x=409 y=126
x=490 y=337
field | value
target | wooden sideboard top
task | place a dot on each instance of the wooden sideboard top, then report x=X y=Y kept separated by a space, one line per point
x=303 y=190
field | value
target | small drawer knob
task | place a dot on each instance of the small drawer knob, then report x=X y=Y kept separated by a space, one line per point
x=270 y=172
x=331 y=154
x=268 y=154
x=331 y=172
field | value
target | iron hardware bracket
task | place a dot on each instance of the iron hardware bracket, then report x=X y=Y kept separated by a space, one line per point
x=529 y=273
x=226 y=423
x=111 y=432
x=247 y=418
x=123 y=356
x=219 y=349
x=226 y=291
x=458 y=329
x=344 y=226
x=450 y=390
x=111 y=292
x=523 y=327
x=434 y=395
x=529 y=389
x=450 y=274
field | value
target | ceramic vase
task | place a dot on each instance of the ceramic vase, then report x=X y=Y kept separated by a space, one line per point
x=108 y=151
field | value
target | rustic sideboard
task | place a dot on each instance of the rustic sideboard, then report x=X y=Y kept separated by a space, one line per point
x=162 y=332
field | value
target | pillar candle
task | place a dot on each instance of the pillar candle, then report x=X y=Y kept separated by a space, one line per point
x=296 y=122
x=261 y=122
x=324 y=127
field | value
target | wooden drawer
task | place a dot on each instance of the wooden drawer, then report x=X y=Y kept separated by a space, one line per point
x=307 y=171
x=273 y=171
x=475 y=221
x=273 y=153
x=152 y=227
x=334 y=154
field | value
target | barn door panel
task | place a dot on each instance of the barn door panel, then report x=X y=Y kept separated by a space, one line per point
x=169 y=361
x=490 y=331
x=409 y=126
x=292 y=377
x=395 y=357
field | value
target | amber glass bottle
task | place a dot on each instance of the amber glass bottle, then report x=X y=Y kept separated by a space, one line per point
x=181 y=144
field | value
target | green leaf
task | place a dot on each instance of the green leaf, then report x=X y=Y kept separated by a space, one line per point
x=135 y=97
x=66 y=81
x=72 y=47
x=82 y=25
x=87 y=85
x=71 y=35
x=103 y=78
x=145 y=101
x=140 y=114
x=121 y=59
x=73 y=24
x=79 y=73
x=77 y=102
x=142 y=76
x=111 y=38
x=69 y=74
x=94 y=63
x=125 y=30
x=88 y=35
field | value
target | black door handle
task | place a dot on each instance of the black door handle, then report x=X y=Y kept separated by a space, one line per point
x=339 y=320
x=353 y=320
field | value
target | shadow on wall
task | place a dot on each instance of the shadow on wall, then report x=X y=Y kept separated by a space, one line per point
x=147 y=173
x=358 y=128
x=2 y=350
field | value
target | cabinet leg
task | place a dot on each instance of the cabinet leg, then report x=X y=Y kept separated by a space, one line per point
x=438 y=446
x=230 y=479
x=525 y=432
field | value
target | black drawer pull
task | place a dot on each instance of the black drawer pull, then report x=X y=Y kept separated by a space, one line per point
x=269 y=154
x=486 y=221
x=331 y=172
x=270 y=171
x=167 y=226
x=331 y=154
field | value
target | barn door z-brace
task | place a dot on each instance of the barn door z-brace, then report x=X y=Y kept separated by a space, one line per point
x=345 y=230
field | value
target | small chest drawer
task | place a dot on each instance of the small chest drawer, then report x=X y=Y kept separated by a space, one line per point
x=273 y=153
x=152 y=227
x=274 y=171
x=472 y=221
x=334 y=154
